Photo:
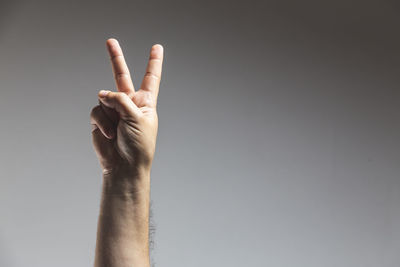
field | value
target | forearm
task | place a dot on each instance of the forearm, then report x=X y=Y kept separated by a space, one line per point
x=123 y=225
x=125 y=125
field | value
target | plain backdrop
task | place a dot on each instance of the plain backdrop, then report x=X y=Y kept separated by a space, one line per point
x=278 y=141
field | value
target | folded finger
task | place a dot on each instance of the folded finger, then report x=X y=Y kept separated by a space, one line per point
x=100 y=120
x=121 y=103
x=111 y=113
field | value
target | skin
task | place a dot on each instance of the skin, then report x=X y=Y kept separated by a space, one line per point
x=124 y=132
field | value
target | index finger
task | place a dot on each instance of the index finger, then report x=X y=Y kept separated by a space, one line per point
x=121 y=72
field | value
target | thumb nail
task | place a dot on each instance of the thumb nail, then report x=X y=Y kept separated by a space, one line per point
x=103 y=93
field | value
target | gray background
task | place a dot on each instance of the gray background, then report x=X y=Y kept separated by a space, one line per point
x=278 y=141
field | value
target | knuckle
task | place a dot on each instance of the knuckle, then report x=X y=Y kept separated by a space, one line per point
x=152 y=75
x=155 y=59
x=121 y=97
x=116 y=57
x=121 y=75
x=94 y=111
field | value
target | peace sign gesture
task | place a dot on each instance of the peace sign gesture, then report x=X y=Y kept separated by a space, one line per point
x=125 y=122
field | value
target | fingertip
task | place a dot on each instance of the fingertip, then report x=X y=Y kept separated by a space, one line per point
x=111 y=134
x=94 y=127
x=158 y=47
x=113 y=47
x=111 y=41
x=157 y=51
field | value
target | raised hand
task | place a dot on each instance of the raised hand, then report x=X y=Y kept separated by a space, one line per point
x=125 y=122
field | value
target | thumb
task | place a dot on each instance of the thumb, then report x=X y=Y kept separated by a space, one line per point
x=121 y=102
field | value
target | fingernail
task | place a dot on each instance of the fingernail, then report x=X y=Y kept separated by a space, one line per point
x=158 y=45
x=103 y=93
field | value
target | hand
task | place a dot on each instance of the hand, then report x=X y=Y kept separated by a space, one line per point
x=125 y=122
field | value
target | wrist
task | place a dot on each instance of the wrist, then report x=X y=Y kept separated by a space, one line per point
x=127 y=170
x=129 y=181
